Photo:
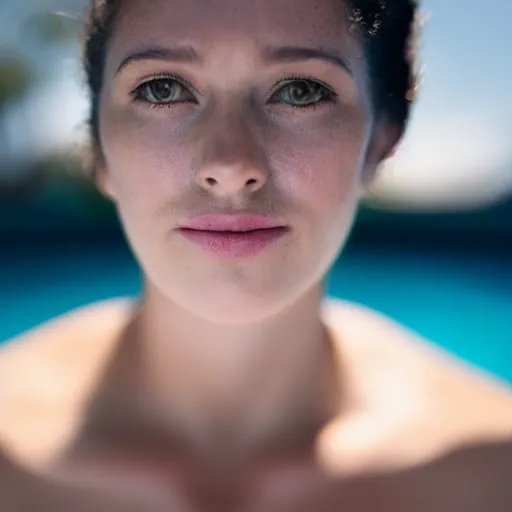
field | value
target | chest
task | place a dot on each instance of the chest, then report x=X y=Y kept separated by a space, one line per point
x=178 y=484
x=477 y=478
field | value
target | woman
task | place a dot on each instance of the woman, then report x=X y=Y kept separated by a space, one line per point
x=235 y=139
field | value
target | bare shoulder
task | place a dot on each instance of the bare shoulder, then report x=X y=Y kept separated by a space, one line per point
x=371 y=337
x=47 y=372
x=69 y=338
x=414 y=400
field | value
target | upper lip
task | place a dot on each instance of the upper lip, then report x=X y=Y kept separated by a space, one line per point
x=234 y=222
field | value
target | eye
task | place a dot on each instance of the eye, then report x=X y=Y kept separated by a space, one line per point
x=162 y=92
x=303 y=93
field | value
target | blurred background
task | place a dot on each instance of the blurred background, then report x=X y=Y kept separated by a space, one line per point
x=432 y=246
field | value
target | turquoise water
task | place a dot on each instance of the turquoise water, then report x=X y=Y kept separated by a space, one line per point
x=463 y=304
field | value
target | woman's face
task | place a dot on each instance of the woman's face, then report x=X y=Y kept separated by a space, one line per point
x=230 y=106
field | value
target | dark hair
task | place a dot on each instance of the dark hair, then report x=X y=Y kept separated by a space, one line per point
x=387 y=29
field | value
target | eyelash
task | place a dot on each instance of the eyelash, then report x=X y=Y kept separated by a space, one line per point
x=330 y=95
x=138 y=94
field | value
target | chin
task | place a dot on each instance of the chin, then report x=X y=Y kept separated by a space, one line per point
x=228 y=304
x=238 y=309
x=241 y=293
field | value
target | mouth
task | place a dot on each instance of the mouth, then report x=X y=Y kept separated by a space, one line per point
x=234 y=243
x=240 y=222
x=231 y=231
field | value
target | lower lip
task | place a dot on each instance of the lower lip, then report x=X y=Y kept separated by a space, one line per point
x=235 y=244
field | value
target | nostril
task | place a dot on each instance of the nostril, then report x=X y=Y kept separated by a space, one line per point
x=210 y=182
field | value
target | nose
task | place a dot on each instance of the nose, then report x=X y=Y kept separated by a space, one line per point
x=231 y=161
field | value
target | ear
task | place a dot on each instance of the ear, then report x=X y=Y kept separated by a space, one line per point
x=102 y=178
x=383 y=144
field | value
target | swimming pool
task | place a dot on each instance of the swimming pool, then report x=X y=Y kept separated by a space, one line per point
x=460 y=302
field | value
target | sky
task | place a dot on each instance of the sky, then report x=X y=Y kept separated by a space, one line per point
x=458 y=147
x=460 y=135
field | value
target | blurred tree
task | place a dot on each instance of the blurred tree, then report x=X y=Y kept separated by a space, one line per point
x=18 y=77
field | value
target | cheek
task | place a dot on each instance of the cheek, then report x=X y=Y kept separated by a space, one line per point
x=320 y=166
x=145 y=158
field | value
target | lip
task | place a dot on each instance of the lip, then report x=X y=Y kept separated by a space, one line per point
x=238 y=222
x=233 y=235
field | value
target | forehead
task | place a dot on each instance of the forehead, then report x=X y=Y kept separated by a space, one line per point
x=207 y=24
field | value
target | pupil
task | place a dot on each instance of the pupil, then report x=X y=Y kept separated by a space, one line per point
x=162 y=90
x=299 y=91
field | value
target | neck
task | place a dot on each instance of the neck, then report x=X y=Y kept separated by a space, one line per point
x=246 y=383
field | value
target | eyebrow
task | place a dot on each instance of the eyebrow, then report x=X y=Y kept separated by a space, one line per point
x=176 y=54
x=187 y=54
x=295 y=53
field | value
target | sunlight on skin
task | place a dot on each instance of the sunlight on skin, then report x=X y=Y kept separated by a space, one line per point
x=457 y=162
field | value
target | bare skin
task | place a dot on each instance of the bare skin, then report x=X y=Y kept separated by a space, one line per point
x=232 y=385
x=411 y=432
